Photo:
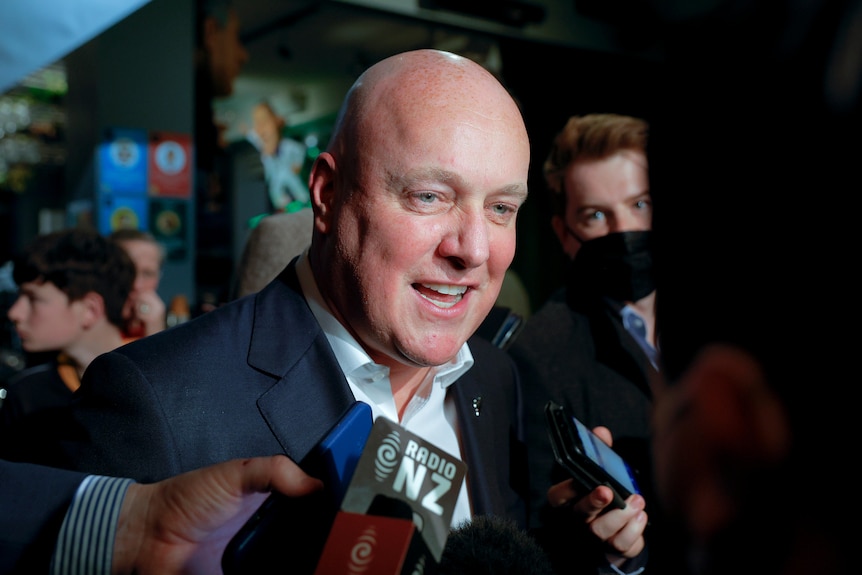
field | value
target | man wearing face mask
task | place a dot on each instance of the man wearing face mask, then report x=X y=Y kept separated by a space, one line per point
x=591 y=347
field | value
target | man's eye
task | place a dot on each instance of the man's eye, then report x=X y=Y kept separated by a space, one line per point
x=642 y=204
x=426 y=197
x=503 y=209
x=597 y=215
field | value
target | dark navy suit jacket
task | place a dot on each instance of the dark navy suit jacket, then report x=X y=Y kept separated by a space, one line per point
x=257 y=377
x=33 y=503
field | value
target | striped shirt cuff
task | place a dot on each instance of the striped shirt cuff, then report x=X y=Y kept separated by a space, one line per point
x=85 y=544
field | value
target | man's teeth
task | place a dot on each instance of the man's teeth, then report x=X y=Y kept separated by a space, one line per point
x=443 y=289
x=447 y=289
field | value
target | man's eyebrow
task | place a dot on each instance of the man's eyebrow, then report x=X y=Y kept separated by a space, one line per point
x=590 y=208
x=400 y=181
x=403 y=180
x=518 y=190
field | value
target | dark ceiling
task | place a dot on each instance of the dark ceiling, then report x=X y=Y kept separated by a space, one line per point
x=302 y=38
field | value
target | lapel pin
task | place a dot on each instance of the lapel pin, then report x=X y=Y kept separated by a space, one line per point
x=477 y=405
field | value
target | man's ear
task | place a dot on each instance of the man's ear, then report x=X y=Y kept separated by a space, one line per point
x=93 y=309
x=322 y=188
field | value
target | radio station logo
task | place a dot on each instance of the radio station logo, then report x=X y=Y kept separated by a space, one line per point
x=399 y=468
x=415 y=464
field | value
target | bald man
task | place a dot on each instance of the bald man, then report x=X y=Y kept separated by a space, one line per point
x=415 y=203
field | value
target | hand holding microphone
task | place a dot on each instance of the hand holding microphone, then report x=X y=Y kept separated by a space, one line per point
x=386 y=507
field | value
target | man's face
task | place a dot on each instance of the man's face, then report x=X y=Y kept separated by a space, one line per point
x=225 y=53
x=147 y=259
x=423 y=243
x=604 y=196
x=44 y=317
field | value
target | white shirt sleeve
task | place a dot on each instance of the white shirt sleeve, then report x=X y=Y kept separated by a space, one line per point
x=85 y=544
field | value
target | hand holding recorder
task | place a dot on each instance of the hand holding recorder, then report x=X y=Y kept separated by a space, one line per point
x=603 y=487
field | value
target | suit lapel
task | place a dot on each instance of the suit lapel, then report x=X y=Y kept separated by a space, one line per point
x=310 y=392
x=616 y=348
x=476 y=424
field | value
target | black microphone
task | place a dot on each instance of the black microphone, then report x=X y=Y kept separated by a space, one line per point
x=492 y=545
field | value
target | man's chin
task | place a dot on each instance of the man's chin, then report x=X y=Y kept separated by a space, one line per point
x=434 y=353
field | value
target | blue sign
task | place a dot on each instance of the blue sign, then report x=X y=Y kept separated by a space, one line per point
x=123 y=162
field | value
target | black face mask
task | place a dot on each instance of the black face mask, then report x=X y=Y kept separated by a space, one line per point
x=617 y=265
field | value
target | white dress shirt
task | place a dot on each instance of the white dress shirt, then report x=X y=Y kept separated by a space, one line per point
x=428 y=409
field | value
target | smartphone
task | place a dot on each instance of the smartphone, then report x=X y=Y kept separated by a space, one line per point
x=297 y=527
x=589 y=460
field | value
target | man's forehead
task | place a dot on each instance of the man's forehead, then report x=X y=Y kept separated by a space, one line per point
x=37 y=286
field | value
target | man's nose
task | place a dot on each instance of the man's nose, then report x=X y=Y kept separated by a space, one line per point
x=626 y=222
x=467 y=241
x=15 y=310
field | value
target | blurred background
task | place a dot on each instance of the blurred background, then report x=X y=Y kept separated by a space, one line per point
x=77 y=83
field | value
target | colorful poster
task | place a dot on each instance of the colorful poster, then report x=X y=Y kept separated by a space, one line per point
x=118 y=211
x=169 y=225
x=122 y=161
x=170 y=159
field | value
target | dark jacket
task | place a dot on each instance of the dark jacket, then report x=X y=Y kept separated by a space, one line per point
x=33 y=503
x=257 y=377
x=38 y=389
x=578 y=353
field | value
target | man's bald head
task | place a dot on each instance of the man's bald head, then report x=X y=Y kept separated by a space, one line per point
x=419 y=87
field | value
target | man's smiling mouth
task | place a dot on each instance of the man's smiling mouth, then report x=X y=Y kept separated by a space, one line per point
x=441 y=295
